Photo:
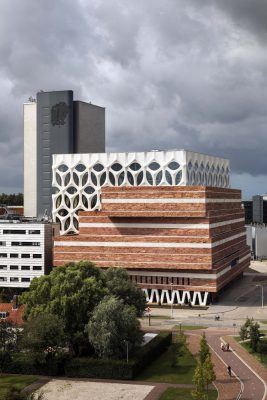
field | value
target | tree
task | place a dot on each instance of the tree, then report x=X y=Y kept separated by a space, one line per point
x=200 y=382
x=114 y=328
x=71 y=292
x=243 y=333
x=45 y=334
x=11 y=199
x=204 y=350
x=209 y=373
x=254 y=334
x=119 y=285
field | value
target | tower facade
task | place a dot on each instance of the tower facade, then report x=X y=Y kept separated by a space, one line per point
x=55 y=124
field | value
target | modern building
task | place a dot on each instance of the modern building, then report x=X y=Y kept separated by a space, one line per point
x=78 y=178
x=168 y=217
x=25 y=251
x=180 y=244
x=256 y=210
x=257 y=240
x=55 y=123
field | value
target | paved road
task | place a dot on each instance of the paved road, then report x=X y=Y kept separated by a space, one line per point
x=254 y=388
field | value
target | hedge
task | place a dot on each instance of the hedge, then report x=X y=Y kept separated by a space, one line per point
x=86 y=367
x=89 y=367
x=118 y=369
x=28 y=364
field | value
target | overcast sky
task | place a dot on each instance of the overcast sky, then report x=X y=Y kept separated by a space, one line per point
x=186 y=74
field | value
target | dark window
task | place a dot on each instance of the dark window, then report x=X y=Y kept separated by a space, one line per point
x=14 y=255
x=25 y=255
x=25 y=243
x=14 y=231
x=25 y=268
x=3 y=314
x=14 y=279
x=14 y=267
x=37 y=255
x=2 y=243
x=25 y=279
x=3 y=255
x=37 y=268
x=3 y=266
x=3 y=279
x=34 y=232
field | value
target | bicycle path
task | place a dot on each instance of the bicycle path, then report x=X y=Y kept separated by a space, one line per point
x=251 y=386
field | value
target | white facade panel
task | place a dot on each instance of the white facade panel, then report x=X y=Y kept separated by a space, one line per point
x=78 y=178
x=30 y=162
x=261 y=241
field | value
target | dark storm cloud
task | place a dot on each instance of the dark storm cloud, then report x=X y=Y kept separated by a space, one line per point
x=171 y=73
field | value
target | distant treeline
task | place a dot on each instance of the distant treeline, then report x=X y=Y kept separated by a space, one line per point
x=15 y=199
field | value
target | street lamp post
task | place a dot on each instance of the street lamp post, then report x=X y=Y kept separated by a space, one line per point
x=261 y=294
x=171 y=302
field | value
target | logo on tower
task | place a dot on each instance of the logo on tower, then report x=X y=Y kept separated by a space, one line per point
x=59 y=113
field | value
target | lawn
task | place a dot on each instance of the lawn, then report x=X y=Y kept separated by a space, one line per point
x=18 y=381
x=157 y=317
x=189 y=327
x=262 y=358
x=184 y=394
x=161 y=371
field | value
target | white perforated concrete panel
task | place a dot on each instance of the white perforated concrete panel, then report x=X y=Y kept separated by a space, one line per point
x=78 y=178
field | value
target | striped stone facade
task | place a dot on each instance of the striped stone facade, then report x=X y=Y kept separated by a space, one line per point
x=180 y=244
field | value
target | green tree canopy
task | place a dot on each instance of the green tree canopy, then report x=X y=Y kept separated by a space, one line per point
x=71 y=292
x=15 y=199
x=204 y=350
x=119 y=285
x=45 y=333
x=112 y=327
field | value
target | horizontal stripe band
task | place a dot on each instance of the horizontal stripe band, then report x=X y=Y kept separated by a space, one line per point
x=151 y=225
x=147 y=244
x=168 y=201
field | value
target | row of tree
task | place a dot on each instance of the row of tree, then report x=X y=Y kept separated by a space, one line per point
x=204 y=373
x=15 y=199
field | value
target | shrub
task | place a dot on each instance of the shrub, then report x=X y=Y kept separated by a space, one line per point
x=98 y=368
x=119 y=369
x=146 y=354
x=262 y=347
x=89 y=367
x=33 y=364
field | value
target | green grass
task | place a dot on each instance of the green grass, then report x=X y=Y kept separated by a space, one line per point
x=18 y=381
x=157 y=317
x=262 y=358
x=189 y=327
x=183 y=394
x=161 y=371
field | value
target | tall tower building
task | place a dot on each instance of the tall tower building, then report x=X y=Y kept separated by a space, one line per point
x=56 y=124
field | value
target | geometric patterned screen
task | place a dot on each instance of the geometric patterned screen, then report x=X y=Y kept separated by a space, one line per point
x=78 y=178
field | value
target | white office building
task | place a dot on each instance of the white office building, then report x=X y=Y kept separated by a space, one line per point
x=25 y=251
